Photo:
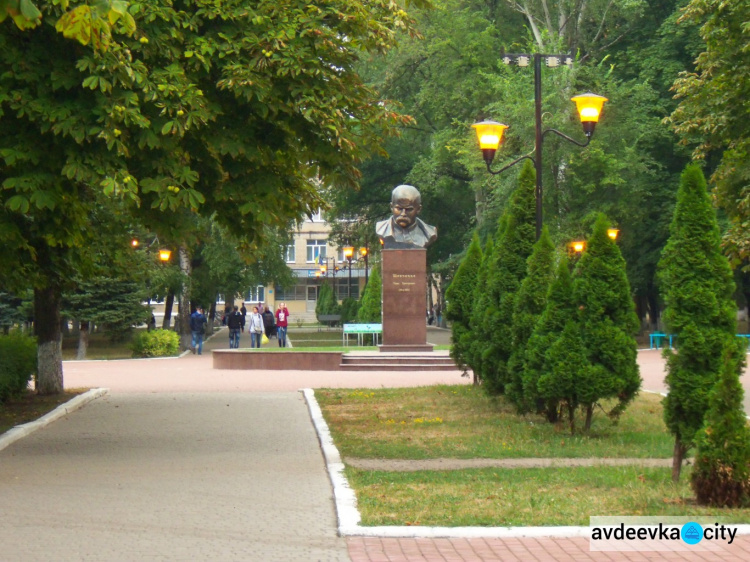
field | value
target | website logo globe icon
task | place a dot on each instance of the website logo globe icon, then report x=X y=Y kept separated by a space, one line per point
x=692 y=533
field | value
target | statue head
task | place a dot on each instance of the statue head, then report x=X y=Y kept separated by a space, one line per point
x=406 y=202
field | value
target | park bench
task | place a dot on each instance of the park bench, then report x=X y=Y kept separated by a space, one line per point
x=655 y=339
x=360 y=330
x=329 y=320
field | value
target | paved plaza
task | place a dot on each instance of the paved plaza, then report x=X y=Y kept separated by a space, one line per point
x=182 y=462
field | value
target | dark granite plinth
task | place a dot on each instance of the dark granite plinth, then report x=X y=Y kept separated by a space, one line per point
x=404 y=300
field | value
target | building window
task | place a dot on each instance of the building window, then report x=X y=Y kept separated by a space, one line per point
x=317 y=216
x=342 y=288
x=256 y=294
x=290 y=254
x=315 y=249
x=295 y=293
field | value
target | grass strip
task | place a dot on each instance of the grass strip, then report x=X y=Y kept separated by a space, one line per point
x=463 y=422
x=525 y=497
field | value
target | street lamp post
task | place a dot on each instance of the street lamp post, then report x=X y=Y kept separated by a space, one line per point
x=364 y=253
x=490 y=133
x=348 y=255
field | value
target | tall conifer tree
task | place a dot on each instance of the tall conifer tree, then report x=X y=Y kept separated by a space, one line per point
x=532 y=297
x=558 y=311
x=460 y=297
x=479 y=311
x=512 y=249
x=606 y=314
x=697 y=288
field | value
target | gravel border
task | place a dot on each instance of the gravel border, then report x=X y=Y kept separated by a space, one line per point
x=19 y=431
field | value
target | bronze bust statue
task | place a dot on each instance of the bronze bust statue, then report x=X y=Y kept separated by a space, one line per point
x=403 y=230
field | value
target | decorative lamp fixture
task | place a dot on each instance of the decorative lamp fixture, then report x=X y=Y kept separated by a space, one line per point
x=164 y=255
x=363 y=252
x=589 y=109
x=578 y=246
x=612 y=233
x=324 y=268
x=134 y=242
x=490 y=135
x=348 y=252
x=318 y=273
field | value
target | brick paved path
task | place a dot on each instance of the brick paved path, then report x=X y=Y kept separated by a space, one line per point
x=182 y=462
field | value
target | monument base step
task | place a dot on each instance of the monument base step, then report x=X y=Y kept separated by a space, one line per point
x=396 y=367
x=407 y=348
x=397 y=362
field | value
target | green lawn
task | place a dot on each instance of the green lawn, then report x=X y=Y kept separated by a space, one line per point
x=463 y=422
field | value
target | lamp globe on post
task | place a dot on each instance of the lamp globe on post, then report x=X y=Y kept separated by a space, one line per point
x=164 y=255
x=490 y=135
x=612 y=233
x=589 y=109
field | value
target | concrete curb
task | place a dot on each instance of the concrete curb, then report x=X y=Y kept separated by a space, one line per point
x=349 y=517
x=16 y=433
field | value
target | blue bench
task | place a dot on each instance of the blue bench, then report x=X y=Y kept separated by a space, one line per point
x=361 y=329
x=655 y=338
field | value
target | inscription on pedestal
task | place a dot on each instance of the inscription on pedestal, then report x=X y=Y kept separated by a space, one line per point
x=404 y=297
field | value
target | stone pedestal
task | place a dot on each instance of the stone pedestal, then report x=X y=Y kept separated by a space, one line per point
x=405 y=300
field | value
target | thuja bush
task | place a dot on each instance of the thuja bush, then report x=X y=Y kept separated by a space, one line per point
x=157 y=343
x=721 y=475
x=349 y=309
x=326 y=302
x=17 y=364
x=460 y=297
x=697 y=287
x=370 y=305
x=530 y=303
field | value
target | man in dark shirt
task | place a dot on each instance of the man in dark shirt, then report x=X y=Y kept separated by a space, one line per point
x=235 y=324
x=197 y=322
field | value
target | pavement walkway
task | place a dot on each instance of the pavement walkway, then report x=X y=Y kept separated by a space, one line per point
x=181 y=462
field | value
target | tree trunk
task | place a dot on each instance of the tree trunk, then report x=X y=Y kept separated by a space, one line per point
x=572 y=418
x=677 y=456
x=184 y=327
x=212 y=316
x=49 y=376
x=83 y=340
x=168 y=304
x=653 y=311
x=589 y=415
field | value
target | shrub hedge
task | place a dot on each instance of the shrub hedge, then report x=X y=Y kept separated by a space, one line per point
x=156 y=343
x=17 y=364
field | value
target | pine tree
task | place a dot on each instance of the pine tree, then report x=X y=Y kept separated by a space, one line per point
x=697 y=287
x=460 y=299
x=558 y=311
x=512 y=248
x=530 y=302
x=721 y=475
x=606 y=314
x=478 y=343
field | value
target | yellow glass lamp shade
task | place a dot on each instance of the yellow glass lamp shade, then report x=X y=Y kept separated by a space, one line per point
x=490 y=134
x=363 y=252
x=348 y=252
x=612 y=233
x=578 y=246
x=164 y=255
x=323 y=269
x=134 y=242
x=589 y=109
x=318 y=273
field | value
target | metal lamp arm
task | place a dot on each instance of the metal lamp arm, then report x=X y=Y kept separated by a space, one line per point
x=516 y=161
x=567 y=138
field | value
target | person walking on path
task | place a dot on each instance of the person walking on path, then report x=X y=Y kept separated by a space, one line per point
x=235 y=325
x=268 y=322
x=282 y=321
x=255 y=328
x=197 y=324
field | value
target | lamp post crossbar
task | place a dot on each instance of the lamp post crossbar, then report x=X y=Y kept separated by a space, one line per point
x=589 y=107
